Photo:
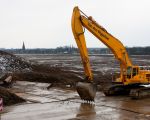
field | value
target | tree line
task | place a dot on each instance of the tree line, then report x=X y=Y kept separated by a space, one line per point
x=74 y=50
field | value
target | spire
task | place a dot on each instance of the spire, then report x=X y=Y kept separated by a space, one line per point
x=23 y=46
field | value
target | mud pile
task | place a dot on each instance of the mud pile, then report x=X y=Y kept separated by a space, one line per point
x=10 y=63
x=42 y=73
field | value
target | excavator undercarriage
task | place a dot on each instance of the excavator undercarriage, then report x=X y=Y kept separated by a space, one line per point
x=140 y=92
x=135 y=91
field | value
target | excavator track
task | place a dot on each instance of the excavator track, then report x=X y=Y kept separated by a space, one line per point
x=141 y=92
x=116 y=89
x=134 y=91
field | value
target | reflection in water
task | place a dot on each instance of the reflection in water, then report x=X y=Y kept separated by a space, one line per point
x=86 y=111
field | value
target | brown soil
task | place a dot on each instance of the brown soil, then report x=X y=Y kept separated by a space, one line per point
x=9 y=98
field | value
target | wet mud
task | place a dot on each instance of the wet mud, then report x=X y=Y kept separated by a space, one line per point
x=61 y=101
x=62 y=104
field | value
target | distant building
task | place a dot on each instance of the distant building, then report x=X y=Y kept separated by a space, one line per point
x=23 y=46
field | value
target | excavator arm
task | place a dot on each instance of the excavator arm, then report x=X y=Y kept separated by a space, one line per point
x=78 y=32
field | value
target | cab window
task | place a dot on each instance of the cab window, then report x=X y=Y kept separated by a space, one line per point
x=134 y=72
x=129 y=70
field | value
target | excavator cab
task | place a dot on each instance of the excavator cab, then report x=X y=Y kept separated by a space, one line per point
x=132 y=71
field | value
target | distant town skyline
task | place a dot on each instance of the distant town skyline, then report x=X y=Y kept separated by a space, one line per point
x=47 y=23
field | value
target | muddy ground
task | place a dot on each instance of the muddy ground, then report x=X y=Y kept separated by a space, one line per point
x=61 y=102
x=21 y=69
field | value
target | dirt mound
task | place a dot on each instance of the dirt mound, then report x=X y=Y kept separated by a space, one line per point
x=58 y=77
x=44 y=74
x=9 y=98
x=11 y=63
x=104 y=78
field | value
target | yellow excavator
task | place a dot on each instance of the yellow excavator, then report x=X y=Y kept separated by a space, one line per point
x=132 y=80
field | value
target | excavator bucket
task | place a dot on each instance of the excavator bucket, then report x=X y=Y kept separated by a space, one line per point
x=86 y=91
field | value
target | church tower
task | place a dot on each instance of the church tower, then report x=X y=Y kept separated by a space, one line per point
x=23 y=46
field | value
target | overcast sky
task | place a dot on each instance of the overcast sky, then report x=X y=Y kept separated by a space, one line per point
x=47 y=23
